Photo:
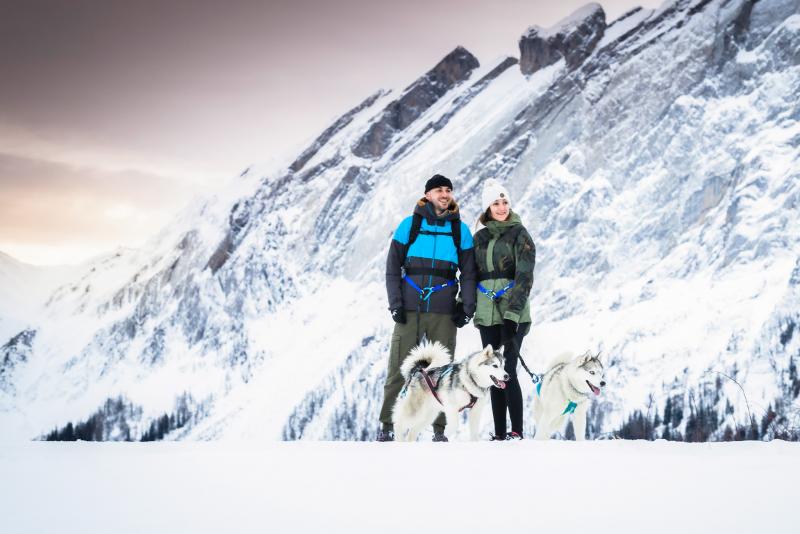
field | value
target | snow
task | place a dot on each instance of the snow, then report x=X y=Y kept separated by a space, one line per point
x=23 y=290
x=621 y=26
x=605 y=486
x=566 y=24
x=298 y=366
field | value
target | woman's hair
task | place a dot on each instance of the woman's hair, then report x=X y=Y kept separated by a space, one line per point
x=486 y=216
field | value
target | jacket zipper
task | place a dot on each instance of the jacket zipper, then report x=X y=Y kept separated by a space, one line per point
x=433 y=262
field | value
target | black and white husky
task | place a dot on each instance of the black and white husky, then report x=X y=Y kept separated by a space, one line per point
x=434 y=385
x=566 y=388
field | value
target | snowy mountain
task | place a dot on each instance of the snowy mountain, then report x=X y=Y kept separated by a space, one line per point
x=23 y=289
x=654 y=158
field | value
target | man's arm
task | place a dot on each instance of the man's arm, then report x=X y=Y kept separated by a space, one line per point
x=468 y=277
x=394 y=264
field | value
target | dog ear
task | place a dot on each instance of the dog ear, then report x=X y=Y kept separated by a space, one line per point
x=587 y=356
x=488 y=351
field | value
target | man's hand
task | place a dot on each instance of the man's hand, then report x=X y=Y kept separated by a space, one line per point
x=459 y=317
x=399 y=315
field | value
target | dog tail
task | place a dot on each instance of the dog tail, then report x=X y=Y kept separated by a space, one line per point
x=425 y=356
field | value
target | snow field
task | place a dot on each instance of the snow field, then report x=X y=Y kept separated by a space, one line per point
x=557 y=486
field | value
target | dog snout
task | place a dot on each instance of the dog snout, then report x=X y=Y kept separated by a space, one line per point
x=506 y=378
x=602 y=383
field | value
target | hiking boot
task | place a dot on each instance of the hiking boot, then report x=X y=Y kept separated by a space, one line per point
x=439 y=436
x=498 y=437
x=513 y=436
x=385 y=435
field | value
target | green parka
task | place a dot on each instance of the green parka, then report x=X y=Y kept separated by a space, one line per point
x=504 y=251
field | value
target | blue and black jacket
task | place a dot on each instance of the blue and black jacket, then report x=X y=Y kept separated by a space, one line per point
x=437 y=257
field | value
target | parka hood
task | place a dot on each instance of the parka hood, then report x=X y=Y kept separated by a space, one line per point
x=424 y=208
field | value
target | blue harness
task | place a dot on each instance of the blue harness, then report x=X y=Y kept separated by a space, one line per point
x=570 y=407
x=494 y=295
x=425 y=293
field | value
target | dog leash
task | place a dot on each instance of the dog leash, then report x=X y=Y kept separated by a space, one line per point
x=534 y=377
x=494 y=296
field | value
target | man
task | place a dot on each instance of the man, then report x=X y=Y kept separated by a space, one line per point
x=427 y=250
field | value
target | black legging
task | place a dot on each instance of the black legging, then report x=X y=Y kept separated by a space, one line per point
x=509 y=398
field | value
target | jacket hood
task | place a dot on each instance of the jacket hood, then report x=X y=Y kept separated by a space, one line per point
x=424 y=208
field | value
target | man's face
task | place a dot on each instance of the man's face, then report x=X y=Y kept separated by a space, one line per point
x=440 y=198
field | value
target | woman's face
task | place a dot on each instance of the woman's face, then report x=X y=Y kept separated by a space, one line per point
x=499 y=209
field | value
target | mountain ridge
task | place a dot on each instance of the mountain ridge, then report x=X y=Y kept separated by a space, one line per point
x=653 y=171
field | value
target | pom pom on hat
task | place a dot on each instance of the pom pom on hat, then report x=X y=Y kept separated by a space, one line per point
x=493 y=190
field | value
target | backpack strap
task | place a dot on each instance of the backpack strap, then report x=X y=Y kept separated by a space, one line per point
x=416 y=225
x=455 y=226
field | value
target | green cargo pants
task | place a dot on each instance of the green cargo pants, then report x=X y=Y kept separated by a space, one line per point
x=436 y=327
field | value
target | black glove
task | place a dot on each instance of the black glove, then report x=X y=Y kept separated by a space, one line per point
x=399 y=315
x=509 y=330
x=459 y=317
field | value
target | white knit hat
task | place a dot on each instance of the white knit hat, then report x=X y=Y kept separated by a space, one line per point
x=493 y=190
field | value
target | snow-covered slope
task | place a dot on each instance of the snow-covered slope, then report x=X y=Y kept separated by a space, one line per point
x=655 y=160
x=23 y=289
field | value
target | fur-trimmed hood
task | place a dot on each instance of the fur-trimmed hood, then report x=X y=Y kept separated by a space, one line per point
x=423 y=208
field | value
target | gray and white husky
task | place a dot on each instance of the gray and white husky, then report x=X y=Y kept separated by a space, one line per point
x=566 y=388
x=457 y=385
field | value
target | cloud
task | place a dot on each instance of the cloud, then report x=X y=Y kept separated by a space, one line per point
x=77 y=211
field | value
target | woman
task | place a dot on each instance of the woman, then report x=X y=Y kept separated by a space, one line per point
x=505 y=254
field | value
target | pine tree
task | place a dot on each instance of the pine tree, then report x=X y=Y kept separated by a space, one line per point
x=69 y=433
x=727 y=435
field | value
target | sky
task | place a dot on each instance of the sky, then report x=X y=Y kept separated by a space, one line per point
x=115 y=114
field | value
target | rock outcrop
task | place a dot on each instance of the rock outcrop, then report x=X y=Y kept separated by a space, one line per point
x=573 y=39
x=416 y=99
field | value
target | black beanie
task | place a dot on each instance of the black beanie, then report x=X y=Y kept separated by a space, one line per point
x=437 y=180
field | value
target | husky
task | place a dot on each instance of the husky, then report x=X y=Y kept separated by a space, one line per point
x=455 y=386
x=566 y=388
